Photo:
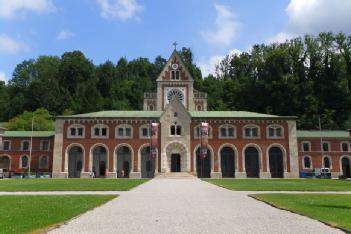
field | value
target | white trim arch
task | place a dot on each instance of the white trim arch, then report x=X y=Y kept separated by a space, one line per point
x=236 y=156
x=100 y=126
x=75 y=125
x=212 y=157
x=20 y=161
x=197 y=136
x=91 y=155
x=68 y=148
x=303 y=162
x=139 y=157
x=285 y=159
x=9 y=157
x=330 y=161
x=348 y=146
x=275 y=126
x=226 y=126
x=115 y=156
x=250 y=137
x=259 y=156
x=124 y=126
x=340 y=161
x=47 y=163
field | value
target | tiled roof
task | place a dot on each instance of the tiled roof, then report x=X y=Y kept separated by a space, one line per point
x=323 y=134
x=29 y=133
x=233 y=114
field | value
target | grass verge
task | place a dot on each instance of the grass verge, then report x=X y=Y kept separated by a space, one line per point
x=332 y=209
x=31 y=214
x=16 y=185
x=282 y=184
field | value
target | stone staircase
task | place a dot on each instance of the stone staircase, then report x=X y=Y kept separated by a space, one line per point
x=175 y=175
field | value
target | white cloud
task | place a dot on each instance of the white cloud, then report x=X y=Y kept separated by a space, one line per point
x=280 y=37
x=208 y=65
x=3 y=77
x=120 y=9
x=64 y=35
x=226 y=28
x=11 y=8
x=9 y=45
x=314 y=16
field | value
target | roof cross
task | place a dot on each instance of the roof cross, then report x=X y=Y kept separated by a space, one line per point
x=175 y=45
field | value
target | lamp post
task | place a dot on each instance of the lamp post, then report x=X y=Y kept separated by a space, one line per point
x=31 y=147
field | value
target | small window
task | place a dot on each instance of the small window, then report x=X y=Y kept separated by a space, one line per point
x=326 y=146
x=175 y=75
x=306 y=146
x=44 y=145
x=103 y=131
x=197 y=132
x=251 y=132
x=25 y=145
x=151 y=107
x=100 y=131
x=76 y=131
x=199 y=107
x=24 y=162
x=345 y=147
x=97 y=131
x=44 y=162
x=307 y=162
x=175 y=130
x=275 y=131
x=6 y=145
x=226 y=131
x=326 y=162
x=124 y=131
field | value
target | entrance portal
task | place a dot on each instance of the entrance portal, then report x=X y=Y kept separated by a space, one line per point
x=346 y=167
x=175 y=162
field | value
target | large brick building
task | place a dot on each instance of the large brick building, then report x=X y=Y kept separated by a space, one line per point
x=117 y=143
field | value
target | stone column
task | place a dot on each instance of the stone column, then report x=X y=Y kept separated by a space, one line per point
x=57 y=156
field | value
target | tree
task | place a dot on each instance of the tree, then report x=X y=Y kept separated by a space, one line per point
x=42 y=121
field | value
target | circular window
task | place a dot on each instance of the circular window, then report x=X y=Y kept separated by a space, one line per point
x=175 y=93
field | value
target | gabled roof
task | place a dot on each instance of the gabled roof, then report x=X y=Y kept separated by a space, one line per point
x=177 y=56
x=29 y=133
x=323 y=134
x=117 y=114
x=234 y=114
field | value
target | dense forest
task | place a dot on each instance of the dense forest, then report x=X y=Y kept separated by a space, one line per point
x=308 y=77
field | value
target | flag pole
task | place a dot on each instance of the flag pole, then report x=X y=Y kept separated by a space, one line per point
x=31 y=147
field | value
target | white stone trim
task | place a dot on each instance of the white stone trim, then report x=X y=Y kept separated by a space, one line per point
x=348 y=146
x=91 y=155
x=330 y=161
x=22 y=142
x=75 y=125
x=115 y=161
x=226 y=126
x=340 y=162
x=141 y=131
x=68 y=148
x=139 y=157
x=275 y=126
x=124 y=126
x=100 y=126
x=236 y=156
x=309 y=146
x=3 y=143
x=20 y=161
x=10 y=159
x=212 y=157
x=260 y=164
x=251 y=126
x=282 y=148
x=303 y=162
x=329 y=146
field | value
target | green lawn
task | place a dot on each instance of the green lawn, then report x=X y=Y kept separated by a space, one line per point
x=27 y=214
x=334 y=209
x=283 y=184
x=12 y=185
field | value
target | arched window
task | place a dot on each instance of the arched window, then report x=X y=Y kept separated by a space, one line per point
x=151 y=107
x=326 y=146
x=144 y=131
x=175 y=75
x=307 y=164
x=306 y=146
x=124 y=131
x=44 y=162
x=24 y=161
x=76 y=131
x=197 y=131
x=345 y=147
x=199 y=107
x=25 y=145
x=226 y=131
x=251 y=131
x=274 y=131
x=6 y=145
x=326 y=162
x=175 y=130
x=99 y=131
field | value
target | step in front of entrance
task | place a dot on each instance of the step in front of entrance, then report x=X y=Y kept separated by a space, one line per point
x=175 y=175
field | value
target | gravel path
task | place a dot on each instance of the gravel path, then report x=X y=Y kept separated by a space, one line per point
x=189 y=206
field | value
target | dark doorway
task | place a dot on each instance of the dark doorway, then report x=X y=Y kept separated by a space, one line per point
x=148 y=163
x=276 y=165
x=251 y=163
x=175 y=162
x=124 y=160
x=75 y=162
x=203 y=165
x=228 y=162
x=102 y=170
x=346 y=171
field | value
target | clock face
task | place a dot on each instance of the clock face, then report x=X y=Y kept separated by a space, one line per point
x=175 y=93
x=174 y=66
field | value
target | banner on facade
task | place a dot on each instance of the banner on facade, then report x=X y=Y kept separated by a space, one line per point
x=154 y=139
x=204 y=139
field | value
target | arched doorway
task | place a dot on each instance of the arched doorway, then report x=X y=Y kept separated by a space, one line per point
x=227 y=162
x=276 y=162
x=148 y=163
x=5 y=163
x=346 y=167
x=99 y=161
x=75 y=162
x=252 y=166
x=203 y=165
x=124 y=161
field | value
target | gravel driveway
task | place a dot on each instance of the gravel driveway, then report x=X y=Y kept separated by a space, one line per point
x=189 y=206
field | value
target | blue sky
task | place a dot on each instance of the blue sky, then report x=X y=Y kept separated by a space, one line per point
x=108 y=29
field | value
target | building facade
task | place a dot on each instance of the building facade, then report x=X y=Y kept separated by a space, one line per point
x=240 y=144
